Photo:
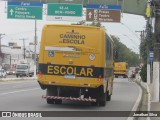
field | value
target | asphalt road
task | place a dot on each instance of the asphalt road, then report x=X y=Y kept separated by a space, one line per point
x=26 y=96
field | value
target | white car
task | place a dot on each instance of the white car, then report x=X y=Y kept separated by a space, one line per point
x=2 y=73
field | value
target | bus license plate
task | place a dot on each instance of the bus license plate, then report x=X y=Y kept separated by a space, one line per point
x=69 y=76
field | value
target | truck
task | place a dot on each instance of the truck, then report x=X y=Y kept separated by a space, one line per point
x=24 y=68
x=76 y=64
x=121 y=69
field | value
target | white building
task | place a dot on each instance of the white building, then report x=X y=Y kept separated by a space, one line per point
x=14 y=53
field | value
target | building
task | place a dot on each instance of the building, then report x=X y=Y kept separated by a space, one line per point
x=12 y=54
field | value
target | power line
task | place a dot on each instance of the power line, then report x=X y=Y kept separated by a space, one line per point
x=130 y=30
x=131 y=40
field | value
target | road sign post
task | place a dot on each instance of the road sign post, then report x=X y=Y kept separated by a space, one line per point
x=103 y=13
x=68 y=12
x=24 y=10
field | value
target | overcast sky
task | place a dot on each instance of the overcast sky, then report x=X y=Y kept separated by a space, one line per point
x=16 y=29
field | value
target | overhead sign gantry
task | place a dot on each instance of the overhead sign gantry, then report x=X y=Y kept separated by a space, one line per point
x=128 y=6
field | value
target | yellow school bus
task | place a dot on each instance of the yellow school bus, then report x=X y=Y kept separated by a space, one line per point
x=121 y=69
x=76 y=63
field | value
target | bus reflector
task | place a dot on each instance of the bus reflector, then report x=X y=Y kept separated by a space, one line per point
x=40 y=75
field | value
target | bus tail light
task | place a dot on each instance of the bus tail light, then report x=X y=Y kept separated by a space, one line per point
x=99 y=78
x=40 y=75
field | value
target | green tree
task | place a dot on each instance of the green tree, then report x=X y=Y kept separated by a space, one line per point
x=124 y=54
x=147 y=42
x=143 y=73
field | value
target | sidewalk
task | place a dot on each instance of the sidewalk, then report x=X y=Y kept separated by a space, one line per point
x=155 y=106
x=152 y=106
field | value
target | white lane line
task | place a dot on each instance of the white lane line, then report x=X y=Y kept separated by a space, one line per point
x=136 y=105
x=18 y=91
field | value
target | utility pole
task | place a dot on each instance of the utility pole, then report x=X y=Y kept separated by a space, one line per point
x=155 y=5
x=142 y=34
x=10 y=60
x=0 y=41
x=24 y=55
x=35 y=42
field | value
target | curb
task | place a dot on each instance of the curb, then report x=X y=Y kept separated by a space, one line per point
x=149 y=101
x=145 y=86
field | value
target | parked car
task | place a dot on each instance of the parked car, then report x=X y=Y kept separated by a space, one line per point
x=2 y=73
x=11 y=71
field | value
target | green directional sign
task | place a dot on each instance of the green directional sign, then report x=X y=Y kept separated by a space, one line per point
x=72 y=12
x=21 y=10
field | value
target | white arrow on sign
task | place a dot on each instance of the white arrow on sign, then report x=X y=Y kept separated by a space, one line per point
x=11 y=11
x=90 y=14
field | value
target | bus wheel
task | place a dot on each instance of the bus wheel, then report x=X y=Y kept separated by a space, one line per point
x=108 y=97
x=51 y=91
x=94 y=94
x=102 y=97
x=58 y=101
x=50 y=101
x=102 y=101
x=94 y=103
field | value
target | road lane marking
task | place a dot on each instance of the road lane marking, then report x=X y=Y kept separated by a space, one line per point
x=19 y=91
x=137 y=103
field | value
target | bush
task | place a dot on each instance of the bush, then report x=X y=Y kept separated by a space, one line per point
x=143 y=73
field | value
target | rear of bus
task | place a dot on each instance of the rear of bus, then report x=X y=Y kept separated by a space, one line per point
x=121 y=69
x=72 y=60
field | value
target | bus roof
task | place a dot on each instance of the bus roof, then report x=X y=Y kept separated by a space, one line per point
x=77 y=26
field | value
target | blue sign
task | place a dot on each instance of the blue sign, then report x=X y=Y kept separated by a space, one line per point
x=104 y=7
x=151 y=56
x=51 y=53
x=10 y=44
x=39 y=4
